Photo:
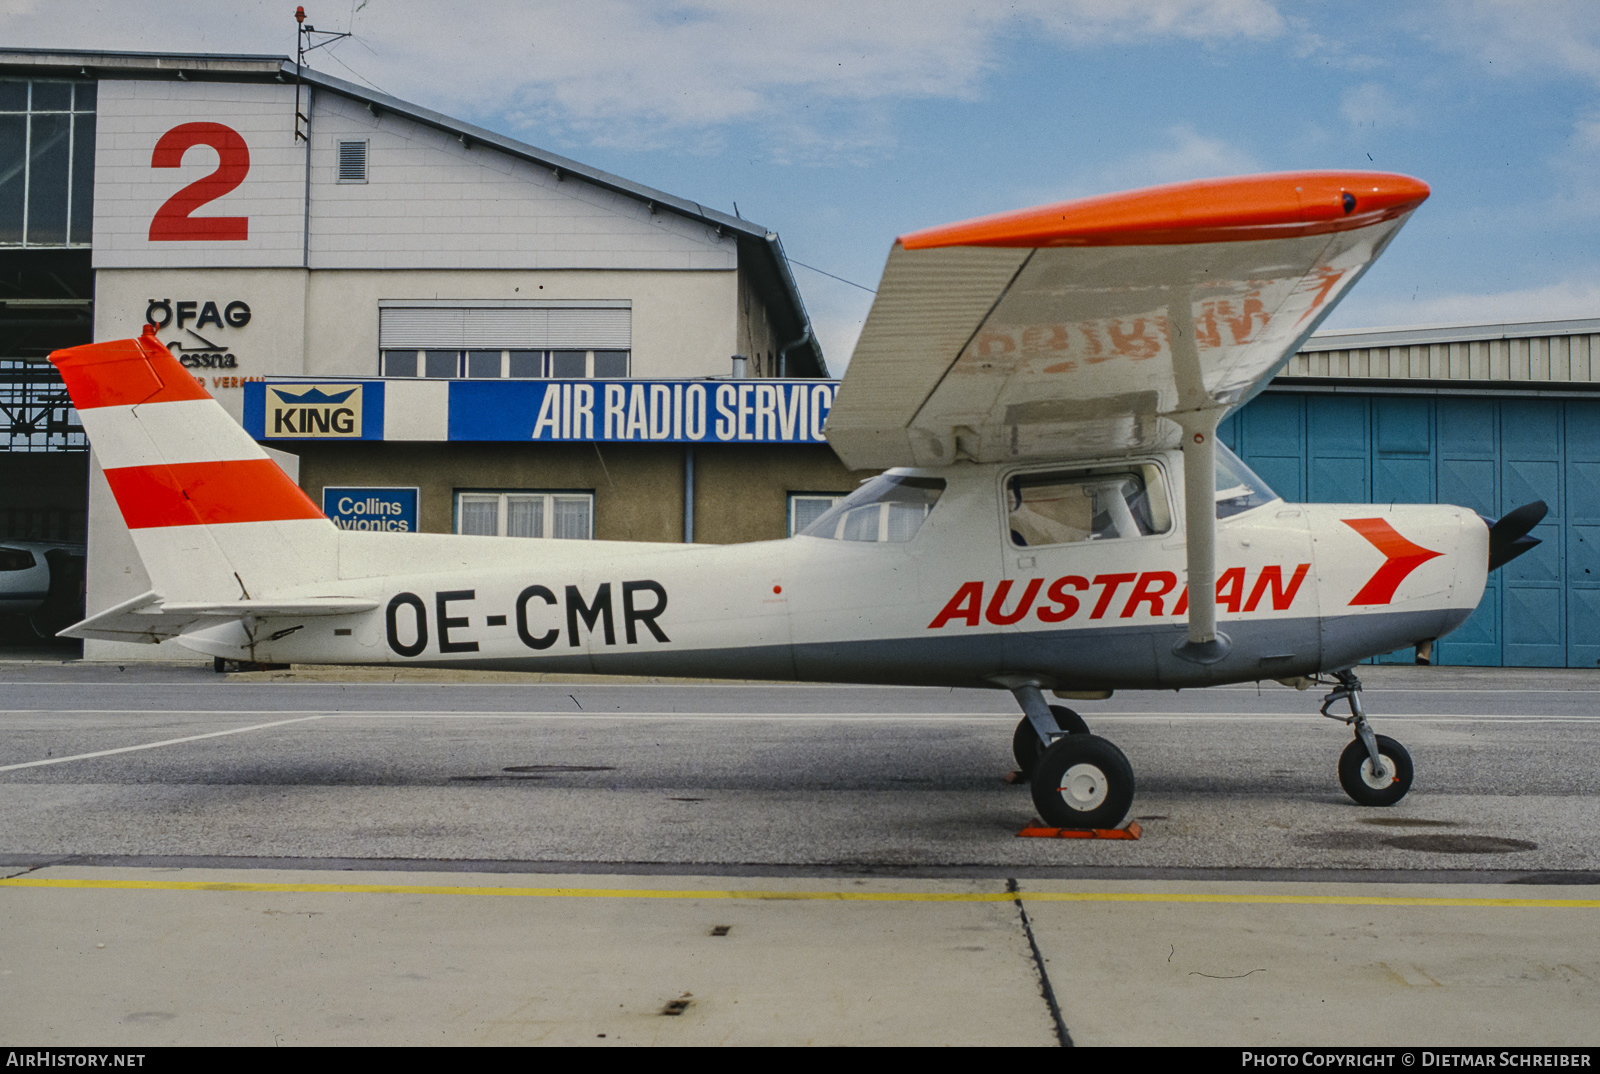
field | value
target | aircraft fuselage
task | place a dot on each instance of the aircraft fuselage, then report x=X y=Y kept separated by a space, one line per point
x=1301 y=588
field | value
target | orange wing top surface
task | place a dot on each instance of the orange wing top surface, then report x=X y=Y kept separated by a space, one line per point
x=1280 y=205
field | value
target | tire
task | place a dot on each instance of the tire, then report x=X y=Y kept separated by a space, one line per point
x=1082 y=781
x=1025 y=744
x=1355 y=769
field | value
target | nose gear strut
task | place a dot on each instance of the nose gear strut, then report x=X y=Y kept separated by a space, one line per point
x=1374 y=769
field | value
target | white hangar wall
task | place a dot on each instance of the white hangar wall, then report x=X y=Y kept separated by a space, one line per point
x=428 y=200
x=434 y=201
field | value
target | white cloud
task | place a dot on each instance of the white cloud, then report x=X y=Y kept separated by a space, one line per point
x=1183 y=154
x=650 y=73
x=1520 y=38
x=1568 y=299
x=1188 y=154
x=1372 y=105
x=1123 y=21
x=1586 y=132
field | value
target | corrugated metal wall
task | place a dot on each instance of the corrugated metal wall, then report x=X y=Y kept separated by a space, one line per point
x=1569 y=356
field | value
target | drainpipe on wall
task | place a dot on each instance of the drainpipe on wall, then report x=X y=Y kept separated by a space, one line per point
x=783 y=354
x=688 y=495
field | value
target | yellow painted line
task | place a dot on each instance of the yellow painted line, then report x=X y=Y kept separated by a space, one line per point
x=797 y=896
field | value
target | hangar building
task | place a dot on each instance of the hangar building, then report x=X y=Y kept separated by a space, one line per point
x=275 y=224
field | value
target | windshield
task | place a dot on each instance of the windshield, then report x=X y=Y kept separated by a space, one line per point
x=889 y=508
x=1238 y=487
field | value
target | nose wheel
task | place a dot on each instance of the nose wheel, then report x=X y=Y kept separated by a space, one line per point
x=1374 y=770
x=1381 y=784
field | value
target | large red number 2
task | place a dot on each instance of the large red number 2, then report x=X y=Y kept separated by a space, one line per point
x=172 y=221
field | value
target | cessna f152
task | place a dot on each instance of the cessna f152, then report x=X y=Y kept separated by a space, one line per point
x=1043 y=390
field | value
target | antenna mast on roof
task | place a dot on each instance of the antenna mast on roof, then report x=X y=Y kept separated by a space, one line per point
x=306 y=41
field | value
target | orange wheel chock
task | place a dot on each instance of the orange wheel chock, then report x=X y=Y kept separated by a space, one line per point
x=1129 y=831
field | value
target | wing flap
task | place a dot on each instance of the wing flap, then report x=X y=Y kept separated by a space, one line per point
x=939 y=301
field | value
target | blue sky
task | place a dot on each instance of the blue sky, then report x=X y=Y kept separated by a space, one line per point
x=842 y=124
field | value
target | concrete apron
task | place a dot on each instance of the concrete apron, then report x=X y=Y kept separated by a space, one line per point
x=144 y=957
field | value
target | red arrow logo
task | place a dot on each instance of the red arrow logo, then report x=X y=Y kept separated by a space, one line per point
x=1404 y=557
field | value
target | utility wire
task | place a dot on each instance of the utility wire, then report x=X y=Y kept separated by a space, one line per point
x=831 y=276
x=334 y=56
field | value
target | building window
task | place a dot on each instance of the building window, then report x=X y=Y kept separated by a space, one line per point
x=501 y=364
x=487 y=338
x=610 y=364
x=485 y=365
x=399 y=363
x=566 y=365
x=441 y=363
x=566 y=515
x=806 y=507
x=46 y=163
x=353 y=161
x=524 y=365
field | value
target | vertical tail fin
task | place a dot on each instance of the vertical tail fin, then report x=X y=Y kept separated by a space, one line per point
x=212 y=516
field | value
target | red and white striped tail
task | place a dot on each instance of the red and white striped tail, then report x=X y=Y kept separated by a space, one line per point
x=212 y=516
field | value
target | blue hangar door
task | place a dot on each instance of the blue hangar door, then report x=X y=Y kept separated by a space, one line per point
x=1487 y=454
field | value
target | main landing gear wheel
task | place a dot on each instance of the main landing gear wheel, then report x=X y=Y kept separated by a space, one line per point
x=1367 y=785
x=1025 y=744
x=1082 y=781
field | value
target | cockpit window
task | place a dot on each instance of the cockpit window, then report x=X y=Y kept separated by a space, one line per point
x=1238 y=487
x=888 y=508
x=1067 y=506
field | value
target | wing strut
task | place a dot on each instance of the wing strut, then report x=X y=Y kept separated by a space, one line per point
x=1198 y=415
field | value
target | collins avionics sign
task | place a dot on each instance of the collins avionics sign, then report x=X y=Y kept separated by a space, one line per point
x=391 y=509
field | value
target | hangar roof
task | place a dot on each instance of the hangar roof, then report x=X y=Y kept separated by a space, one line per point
x=1427 y=334
x=760 y=250
x=1474 y=358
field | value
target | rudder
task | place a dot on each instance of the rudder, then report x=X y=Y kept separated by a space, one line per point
x=213 y=517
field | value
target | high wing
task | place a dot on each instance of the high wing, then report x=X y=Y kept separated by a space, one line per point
x=1073 y=330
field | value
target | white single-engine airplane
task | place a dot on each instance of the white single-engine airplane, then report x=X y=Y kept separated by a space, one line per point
x=1043 y=388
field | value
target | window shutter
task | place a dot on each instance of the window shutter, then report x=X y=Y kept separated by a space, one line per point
x=505 y=328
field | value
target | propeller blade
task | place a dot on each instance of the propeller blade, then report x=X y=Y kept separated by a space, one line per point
x=1508 y=536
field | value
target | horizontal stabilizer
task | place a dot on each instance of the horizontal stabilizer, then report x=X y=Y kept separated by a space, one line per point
x=273 y=609
x=147 y=619
x=138 y=620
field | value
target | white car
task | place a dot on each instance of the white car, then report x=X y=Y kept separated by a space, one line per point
x=42 y=580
